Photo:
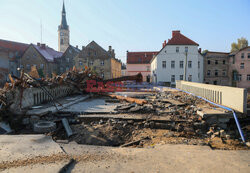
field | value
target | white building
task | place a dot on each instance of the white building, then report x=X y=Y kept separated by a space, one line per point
x=169 y=64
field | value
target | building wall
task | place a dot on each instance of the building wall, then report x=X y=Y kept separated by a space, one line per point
x=169 y=54
x=115 y=68
x=66 y=62
x=4 y=64
x=33 y=57
x=222 y=68
x=235 y=66
x=134 y=69
x=96 y=60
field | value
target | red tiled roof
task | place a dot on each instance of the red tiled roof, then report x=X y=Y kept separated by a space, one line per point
x=140 y=57
x=179 y=39
x=47 y=52
x=13 y=46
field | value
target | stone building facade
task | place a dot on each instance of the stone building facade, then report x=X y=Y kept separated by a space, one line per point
x=66 y=61
x=41 y=56
x=99 y=60
x=239 y=70
x=216 y=68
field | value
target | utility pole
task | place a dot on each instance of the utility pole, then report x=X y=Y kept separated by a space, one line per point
x=185 y=67
x=41 y=25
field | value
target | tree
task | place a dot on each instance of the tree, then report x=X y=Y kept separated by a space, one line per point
x=242 y=42
x=204 y=52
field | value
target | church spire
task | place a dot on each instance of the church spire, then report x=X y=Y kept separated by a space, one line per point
x=64 y=21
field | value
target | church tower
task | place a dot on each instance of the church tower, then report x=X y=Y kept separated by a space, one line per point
x=63 y=33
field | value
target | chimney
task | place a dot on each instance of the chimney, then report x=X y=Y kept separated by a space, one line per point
x=199 y=50
x=38 y=44
x=110 y=49
x=175 y=32
x=43 y=46
x=164 y=43
x=77 y=46
x=113 y=53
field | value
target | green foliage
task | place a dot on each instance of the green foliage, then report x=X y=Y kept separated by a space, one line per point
x=242 y=42
x=40 y=72
x=204 y=52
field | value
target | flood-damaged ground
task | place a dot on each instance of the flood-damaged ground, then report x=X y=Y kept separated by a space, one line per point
x=170 y=117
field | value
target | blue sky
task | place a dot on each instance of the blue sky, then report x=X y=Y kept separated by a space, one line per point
x=134 y=25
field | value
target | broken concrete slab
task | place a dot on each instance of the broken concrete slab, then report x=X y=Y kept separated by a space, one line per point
x=97 y=105
x=15 y=147
x=174 y=102
x=215 y=115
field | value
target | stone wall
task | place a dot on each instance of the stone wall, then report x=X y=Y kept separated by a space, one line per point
x=36 y=96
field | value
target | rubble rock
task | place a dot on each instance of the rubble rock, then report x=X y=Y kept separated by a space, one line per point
x=44 y=127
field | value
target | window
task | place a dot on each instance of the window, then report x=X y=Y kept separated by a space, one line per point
x=84 y=60
x=235 y=75
x=27 y=66
x=89 y=53
x=224 y=61
x=102 y=63
x=215 y=82
x=233 y=59
x=208 y=73
x=216 y=61
x=163 y=64
x=172 y=64
x=95 y=53
x=80 y=63
x=67 y=68
x=216 y=72
x=91 y=62
x=190 y=78
x=189 y=64
x=172 y=78
x=242 y=65
x=239 y=77
x=67 y=59
x=102 y=75
x=186 y=49
x=61 y=41
x=208 y=61
x=41 y=66
x=242 y=55
x=199 y=64
x=177 y=49
x=248 y=77
x=224 y=72
x=248 y=55
x=148 y=68
x=61 y=69
x=181 y=64
x=181 y=77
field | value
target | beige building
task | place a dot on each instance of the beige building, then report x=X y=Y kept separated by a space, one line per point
x=41 y=56
x=216 y=68
x=99 y=60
